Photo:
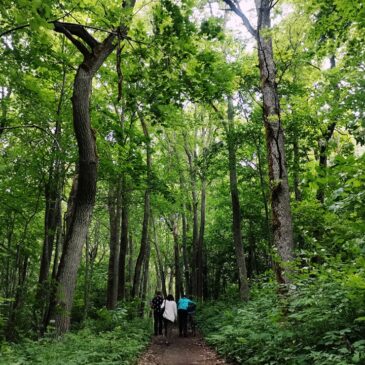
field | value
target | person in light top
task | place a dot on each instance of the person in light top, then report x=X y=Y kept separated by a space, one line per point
x=169 y=315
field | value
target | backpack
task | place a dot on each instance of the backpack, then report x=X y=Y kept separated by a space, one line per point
x=191 y=307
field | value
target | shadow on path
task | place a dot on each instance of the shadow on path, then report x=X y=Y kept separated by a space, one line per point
x=182 y=351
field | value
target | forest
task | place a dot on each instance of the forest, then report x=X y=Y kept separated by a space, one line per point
x=207 y=147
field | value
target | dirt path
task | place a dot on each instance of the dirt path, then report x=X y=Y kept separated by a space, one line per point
x=182 y=351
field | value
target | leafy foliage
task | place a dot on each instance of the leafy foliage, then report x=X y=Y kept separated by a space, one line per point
x=117 y=344
x=318 y=323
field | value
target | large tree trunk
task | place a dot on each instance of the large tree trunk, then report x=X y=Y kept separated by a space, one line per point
x=236 y=211
x=123 y=243
x=87 y=165
x=144 y=237
x=279 y=187
x=114 y=204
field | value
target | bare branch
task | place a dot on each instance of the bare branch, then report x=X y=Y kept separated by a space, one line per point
x=6 y=32
x=234 y=6
x=273 y=4
x=36 y=127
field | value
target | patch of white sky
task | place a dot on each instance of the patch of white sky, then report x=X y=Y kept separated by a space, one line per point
x=234 y=24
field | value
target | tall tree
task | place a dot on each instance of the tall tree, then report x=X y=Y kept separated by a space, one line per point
x=279 y=186
x=94 y=54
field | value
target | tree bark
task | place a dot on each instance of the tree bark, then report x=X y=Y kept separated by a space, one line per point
x=279 y=187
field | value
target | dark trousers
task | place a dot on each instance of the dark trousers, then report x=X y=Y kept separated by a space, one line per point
x=168 y=329
x=157 y=323
x=183 y=321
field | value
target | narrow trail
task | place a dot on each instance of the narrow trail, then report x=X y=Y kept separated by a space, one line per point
x=182 y=351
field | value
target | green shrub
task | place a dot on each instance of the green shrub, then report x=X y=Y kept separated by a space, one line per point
x=320 y=322
x=90 y=345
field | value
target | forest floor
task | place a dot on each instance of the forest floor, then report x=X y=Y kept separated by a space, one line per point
x=181 y=351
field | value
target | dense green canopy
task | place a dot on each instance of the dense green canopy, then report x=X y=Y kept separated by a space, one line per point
x=207 y=147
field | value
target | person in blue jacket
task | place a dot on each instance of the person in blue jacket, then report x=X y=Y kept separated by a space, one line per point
x=182 y=310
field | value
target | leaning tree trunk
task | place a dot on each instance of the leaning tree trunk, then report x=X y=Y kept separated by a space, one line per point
x=236 y=210
x=94 y=56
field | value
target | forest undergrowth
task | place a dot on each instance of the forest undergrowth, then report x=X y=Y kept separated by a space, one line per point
x=321 y=320
x=112 y=338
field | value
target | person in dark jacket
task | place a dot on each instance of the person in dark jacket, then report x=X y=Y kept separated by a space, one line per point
x=157 y=312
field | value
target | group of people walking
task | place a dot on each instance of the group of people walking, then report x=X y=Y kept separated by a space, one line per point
x=166 y=312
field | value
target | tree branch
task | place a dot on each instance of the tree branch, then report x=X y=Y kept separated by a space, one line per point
x=234 y=6
x=11 y=30
x=60 y=28
x=79 y=31
x=36 y=127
